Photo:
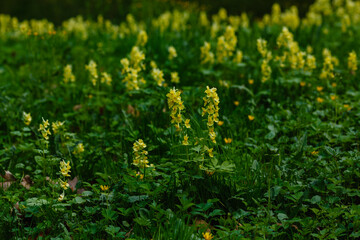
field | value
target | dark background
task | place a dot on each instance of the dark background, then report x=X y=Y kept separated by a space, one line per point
x=115 y=10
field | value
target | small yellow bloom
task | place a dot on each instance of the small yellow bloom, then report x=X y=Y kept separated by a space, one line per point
x=61 y=197
x=319 y=88
x=251 y=117
x=172 y=52
x=220 y=123
x=208 y=236
x=319 y=100
x=251 y=81
x=187 y=123
x=333 y=97
x=347 y=106
x=27 y=118
x=104 y=187
x=236 y=103
x=302 y=84
x=185 y=141
x=65 y=185
x=315 y=153
x=210 y=152
x=333 y=84
x=227 y=140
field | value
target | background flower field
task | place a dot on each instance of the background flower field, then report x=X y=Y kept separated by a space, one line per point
x=182 y=124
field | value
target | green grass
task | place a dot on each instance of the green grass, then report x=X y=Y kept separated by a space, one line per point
x=291 y=172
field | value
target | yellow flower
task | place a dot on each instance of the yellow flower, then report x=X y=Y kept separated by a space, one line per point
x=211 y=108
x=106 y=78
x=104 y=187
x=227 y=140
x=210 y=152
x=251 y=81
x=158 y=76
x=302 y=84
x=172 y=52
x=333 y=97
x=333 y=84
x=251 y=117
x=185 y=141
x=79 y=148
x=319 y=88
x=207 y=236
x=27 y=118
x=187 y=123
x=352 y=62
x=206 y=55
x=314 y=152
x=347 y=106
x=175 y=77
x=91 y=67
x=220 y=123
x=319 y=100
x=142 y=38
x=56 y=126
x=43 y=128
x=65 y=185
x=65 y=168
x=68 y=75
x=140 y=154
x=61 y=197
x=236 y=103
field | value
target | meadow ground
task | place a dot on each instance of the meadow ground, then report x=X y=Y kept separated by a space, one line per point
x=183 y=126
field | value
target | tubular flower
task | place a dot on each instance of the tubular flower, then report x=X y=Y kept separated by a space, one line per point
x=43 y=128
x=172 y=53
x=79 y=149
x=27 y=118
x=158 y=76
x=56 y=126
x=104 y=188
x=91 y=67
x=185 y=141
x=125 y=64
x=176 y=106
x=61 y=197
x=261 y=46
x=226 y=44
x=65 y=185
x=140 y=154
x=265 y=70
x=142 y=38
x=65 y=168
x=211 y=108
x=238 y=57
x=68 y=75
x=106 y=78
x=132 y=80
x=206 y=55
x=175 y=77
x=310 y=63
x=207 y=236
x=352 y=62
x=136 y=58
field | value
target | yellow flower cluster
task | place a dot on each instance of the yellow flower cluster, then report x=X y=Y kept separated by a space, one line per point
x=140 y=154
x=176 y=106
x=142 y=38
x=106 y=78
x=238 y=57
x=132 y=69
x=158 y=76
x=175 y=77
x=68 y=75
x=207 y=236
x=352 y=62
x=79 y=149
x=226 y=44
x=56 y=126
x=65 y=168
x=327 y=71
x=211 y=107
x=262 y=47
x=289 y=18
x=265 y=70
x=27 y=118
x=92 y=68
x=172 y=53
x=206 y=55
x=43 y=128
x=64 y=171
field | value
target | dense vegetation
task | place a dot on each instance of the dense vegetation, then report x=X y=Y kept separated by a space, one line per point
x=188 y=126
